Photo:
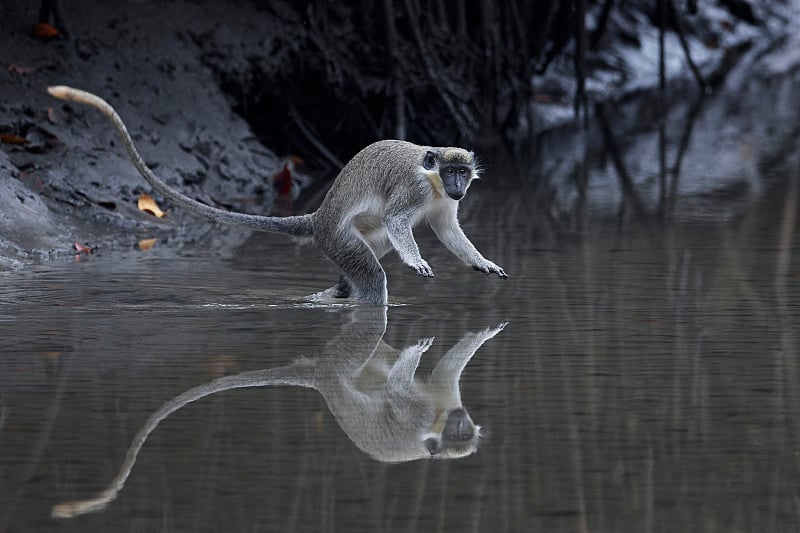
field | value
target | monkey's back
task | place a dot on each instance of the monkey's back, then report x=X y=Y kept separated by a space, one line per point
x=373 y=174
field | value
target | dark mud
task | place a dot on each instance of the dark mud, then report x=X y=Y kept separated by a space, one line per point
x=75 y=184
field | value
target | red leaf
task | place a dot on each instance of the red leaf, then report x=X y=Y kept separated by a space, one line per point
x=45 y=31
x=20 y=69
x=282 y=180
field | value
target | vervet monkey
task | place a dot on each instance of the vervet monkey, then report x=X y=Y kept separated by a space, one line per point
x=377 y=198
x=369 y=387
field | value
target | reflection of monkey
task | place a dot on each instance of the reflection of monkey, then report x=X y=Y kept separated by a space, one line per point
x=371 y=208
x=370 y=389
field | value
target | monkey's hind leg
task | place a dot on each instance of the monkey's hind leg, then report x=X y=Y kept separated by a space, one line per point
x=363 y=278
x=342 y=289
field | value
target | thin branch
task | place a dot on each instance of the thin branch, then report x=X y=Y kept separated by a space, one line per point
x=602 y=22
x=580 y=56
x=685 y=45
x=313 y=139
x=394 y=84
x=461 y=116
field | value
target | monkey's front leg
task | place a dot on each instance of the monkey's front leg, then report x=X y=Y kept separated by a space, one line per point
x=401 y=375
x=447 y=228
x=398 y=228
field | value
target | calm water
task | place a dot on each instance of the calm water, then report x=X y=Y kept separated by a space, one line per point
x=647 y=380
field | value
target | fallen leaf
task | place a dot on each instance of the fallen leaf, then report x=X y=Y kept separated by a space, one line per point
x=20 y=69
x=84 y=248
x=148 y=205
x=52 y=116
x=50 y=355
x=10 y=138
x=147 y=244
x=45 y=31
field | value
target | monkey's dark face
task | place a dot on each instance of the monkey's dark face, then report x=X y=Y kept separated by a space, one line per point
x=455 y=175
x=455 y=179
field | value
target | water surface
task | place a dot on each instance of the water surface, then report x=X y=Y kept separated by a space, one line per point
x=647 y=380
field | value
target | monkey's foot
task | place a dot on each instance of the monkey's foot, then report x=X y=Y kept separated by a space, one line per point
x=423 y=269
x=328 y=296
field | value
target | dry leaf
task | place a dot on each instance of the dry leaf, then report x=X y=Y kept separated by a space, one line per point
x=10 y=138
x=148 y=205
x=83 y=248
x=52 y=116
x=45 y=31
x=147 y=244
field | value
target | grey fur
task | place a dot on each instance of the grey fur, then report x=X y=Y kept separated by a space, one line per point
x=370 y=388
x=378 y=197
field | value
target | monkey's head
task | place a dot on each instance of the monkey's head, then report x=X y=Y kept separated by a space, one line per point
x=450 y=169
x=454 y=435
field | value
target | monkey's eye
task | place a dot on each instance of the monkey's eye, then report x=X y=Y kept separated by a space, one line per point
x=449 y=171
x=462 y=171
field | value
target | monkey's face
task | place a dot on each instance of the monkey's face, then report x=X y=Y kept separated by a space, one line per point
x=455 y=179
x=455 y=168
x=458 y=437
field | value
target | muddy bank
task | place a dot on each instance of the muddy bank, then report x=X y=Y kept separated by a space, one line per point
x=69 y=180
x=183 y=74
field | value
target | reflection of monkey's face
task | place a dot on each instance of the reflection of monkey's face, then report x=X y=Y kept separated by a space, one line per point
x=454 y=435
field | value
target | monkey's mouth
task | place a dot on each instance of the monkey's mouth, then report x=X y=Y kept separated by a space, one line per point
x=456 y=188
x=455 y=195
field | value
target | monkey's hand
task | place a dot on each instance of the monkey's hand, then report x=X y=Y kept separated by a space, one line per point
x=488 y=267
x=423 y=344
x=423 y=268
x=488 y=333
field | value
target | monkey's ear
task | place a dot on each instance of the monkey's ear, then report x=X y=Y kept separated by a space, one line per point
x=430 y=161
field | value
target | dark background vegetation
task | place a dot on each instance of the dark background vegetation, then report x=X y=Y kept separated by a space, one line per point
x=220 y=96
x=440 y=70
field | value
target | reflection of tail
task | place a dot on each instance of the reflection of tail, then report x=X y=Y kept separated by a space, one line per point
x=301 y=374
x=299 y=226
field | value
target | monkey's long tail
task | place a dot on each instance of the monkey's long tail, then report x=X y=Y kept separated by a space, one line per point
x=299 y=374
x=300 y=226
